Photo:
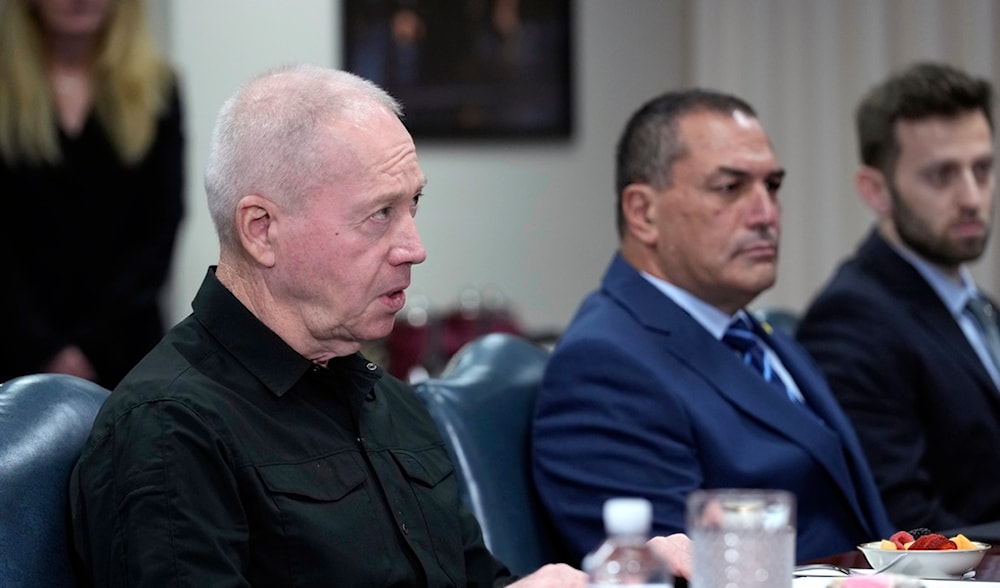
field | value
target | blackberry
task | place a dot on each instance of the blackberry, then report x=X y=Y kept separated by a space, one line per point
x=920 y=532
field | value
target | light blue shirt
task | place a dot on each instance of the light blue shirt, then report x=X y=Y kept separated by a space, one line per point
x=955 y=297
x=716 y=322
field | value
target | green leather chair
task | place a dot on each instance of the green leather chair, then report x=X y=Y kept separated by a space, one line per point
x=483 y=404
x=44 y=421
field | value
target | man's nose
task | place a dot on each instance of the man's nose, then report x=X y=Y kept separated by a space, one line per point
x=409 y=248
x=972 y=192
x=764 y=206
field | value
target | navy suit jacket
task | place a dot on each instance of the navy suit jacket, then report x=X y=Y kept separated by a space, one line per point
x=639 y=399
x=920 y=399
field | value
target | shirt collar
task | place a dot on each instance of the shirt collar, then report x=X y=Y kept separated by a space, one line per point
x=711 y=318
x=259 y=349
x=954 y=296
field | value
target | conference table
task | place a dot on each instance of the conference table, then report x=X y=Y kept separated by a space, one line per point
x=988 y=570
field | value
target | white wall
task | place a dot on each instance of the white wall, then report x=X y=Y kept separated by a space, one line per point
x=804 y=66
x=535 y=220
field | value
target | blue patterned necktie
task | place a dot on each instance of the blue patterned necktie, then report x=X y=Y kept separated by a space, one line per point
x=744 y=341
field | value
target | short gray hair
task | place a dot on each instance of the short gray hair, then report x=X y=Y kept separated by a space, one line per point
x=269 y=136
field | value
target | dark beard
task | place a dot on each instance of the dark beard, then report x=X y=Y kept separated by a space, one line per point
x=940 y=252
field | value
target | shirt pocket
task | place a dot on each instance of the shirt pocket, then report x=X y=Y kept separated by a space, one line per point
x=328 y=479
x=324 y=512
x=432 y=480
x=427 y=468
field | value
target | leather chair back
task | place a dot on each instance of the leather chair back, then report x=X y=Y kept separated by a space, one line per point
x=44 y=421
x=782 y=319
x=483 y=404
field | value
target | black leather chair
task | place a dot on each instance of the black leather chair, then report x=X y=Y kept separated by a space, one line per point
x=44 y=420
x=483 y=403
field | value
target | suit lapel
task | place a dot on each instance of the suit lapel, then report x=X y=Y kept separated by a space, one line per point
x=944 y=332
x=922 y=302
x=682 y=336
x=721 y=369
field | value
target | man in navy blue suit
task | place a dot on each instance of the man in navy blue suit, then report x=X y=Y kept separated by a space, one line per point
x=644 y=396
x=910 y=365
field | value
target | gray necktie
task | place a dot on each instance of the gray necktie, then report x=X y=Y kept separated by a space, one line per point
x=985 y=317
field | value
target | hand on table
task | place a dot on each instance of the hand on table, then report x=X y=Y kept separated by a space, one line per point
x=553 y=576
x=676 y=550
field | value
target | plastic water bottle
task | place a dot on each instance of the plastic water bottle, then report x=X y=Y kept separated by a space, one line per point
x=623 y=557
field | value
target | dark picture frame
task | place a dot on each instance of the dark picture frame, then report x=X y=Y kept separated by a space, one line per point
x=468 y=68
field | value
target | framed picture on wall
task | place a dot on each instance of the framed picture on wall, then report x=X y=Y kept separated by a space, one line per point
x=468 y=68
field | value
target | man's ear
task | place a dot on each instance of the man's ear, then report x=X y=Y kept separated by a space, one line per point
x=639 y=212
x=255 y=216
x=873 y=188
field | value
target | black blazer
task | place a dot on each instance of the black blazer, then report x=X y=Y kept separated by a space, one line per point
x=925 y=408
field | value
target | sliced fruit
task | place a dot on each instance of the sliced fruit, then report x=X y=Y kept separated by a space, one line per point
x=962 y=542
x=901 y=538
x=932 y=542
x=886 y=544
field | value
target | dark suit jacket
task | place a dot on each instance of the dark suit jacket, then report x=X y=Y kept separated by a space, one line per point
x=639 y=399
x=925 y=408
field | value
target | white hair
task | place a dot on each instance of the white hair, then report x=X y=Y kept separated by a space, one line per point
x=268 y=138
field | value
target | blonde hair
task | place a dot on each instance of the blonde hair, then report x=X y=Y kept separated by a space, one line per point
x=131 y=84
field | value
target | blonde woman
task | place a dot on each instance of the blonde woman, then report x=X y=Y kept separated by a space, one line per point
x=91 y=177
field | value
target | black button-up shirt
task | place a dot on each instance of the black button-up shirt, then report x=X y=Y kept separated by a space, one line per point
x=227 y=459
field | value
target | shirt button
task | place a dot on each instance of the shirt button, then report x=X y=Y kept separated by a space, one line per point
x=371 y=366
x=406 y=530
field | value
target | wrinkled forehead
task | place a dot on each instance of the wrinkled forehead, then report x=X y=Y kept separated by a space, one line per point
x=737 y=140
x=376 y=151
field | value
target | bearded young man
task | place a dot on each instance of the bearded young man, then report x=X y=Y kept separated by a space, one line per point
x=912 y=365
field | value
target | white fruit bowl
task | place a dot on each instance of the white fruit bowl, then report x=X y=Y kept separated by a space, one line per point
x=946 y=564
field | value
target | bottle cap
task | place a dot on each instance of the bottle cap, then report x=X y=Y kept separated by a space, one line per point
x=627 y=516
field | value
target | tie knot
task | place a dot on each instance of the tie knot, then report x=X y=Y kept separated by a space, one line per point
x=981 y=310
x=740 y=336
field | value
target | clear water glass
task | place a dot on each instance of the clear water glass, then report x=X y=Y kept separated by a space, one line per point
x=742 y=538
